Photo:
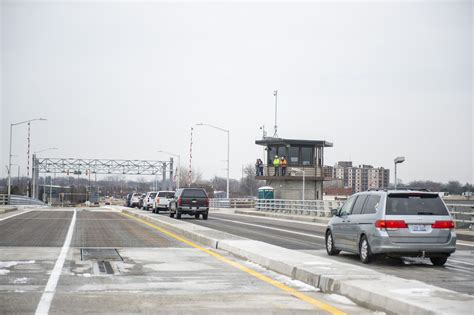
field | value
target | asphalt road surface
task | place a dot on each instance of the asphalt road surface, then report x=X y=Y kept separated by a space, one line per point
x=456 y=275
x=99 y=261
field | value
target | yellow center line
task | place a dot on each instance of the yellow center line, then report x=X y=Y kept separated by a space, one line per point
x=321 y=305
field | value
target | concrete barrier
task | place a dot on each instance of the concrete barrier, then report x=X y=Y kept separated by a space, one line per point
x=366 y=287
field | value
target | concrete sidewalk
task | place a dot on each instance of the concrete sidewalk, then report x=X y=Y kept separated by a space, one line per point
x=462 y=234
x=367 y=287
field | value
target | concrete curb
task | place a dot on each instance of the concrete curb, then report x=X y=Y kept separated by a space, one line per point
x=366 y=287
x=7 y=209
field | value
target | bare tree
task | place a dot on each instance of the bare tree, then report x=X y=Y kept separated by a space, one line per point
x=248 y=184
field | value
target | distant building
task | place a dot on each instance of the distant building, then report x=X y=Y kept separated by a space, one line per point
x=361 y=178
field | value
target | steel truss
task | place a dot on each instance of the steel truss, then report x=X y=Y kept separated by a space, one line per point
x=90 y=167
x=95 y=166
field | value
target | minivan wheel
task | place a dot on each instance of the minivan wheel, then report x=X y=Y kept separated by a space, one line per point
x=330 y=249
x=364 y=250
x=439 y=261
x=204 y=216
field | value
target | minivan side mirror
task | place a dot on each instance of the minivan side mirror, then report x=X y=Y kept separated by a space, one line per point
x=334 y=212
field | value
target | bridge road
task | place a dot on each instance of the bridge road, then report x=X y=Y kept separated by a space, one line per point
x=99 y=261
x=456 y=275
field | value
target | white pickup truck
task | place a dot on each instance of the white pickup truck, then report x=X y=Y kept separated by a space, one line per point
x=162 y=201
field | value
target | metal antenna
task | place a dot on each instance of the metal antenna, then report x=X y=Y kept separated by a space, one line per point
x=275 y=93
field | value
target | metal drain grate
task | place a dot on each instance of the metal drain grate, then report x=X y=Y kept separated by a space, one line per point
x=100 y=254
x=105 y=267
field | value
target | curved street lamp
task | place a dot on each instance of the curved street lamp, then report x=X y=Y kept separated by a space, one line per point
x=295 y=169
x=228 y=150
x=398 y=160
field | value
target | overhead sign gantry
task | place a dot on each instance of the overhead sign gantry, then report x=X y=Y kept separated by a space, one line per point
x=73 y=166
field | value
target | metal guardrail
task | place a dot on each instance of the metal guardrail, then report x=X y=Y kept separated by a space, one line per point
x=321 y=208
x=463 y=215
x=232 y=203
x=19 y=200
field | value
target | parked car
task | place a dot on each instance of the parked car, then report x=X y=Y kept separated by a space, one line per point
x=393 y=223
x=140 y=201
x=192 y=201
x=148 y=200
x=127 y=200
x=135 y=200
x=162 y=201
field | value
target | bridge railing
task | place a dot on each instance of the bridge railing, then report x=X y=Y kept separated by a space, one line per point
x=321 y=208
x=232 y=203
x=463 y=214
x=19 y=200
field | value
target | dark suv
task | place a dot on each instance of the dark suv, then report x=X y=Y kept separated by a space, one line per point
x=192 y=201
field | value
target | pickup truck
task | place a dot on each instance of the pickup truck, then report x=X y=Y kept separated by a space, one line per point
x=192 y=201
x=162 y=201
x=134 y=200
x=148 y=200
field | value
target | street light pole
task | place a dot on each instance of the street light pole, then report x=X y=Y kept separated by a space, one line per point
x=228 y=151
x=398 y=160
x=302 y=171
x=179 y=164
x=10 y=155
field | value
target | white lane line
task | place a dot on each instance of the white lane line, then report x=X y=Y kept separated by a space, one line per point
x=48 y=294
x=272 y=228
x=461 y=262
x=16 y=215
x=465 y=244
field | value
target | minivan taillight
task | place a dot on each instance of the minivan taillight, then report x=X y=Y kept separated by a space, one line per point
x=180 y=201
x=391 y=224
x=443 y=225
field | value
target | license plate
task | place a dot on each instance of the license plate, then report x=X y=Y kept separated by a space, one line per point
x=418 y=228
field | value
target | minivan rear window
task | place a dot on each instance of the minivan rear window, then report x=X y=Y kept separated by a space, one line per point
x=189 y=193
x=166 y=194
x=415 y=204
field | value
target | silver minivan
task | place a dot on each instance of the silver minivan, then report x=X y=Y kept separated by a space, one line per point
x=394 y=223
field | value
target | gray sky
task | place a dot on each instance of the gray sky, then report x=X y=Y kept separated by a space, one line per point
x=123 y=79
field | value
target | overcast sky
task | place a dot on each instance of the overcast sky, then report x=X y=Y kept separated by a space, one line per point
x=123 y=79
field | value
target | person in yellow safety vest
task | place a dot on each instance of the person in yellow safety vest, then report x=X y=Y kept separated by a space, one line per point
x=276 y=165
x=283 y=164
